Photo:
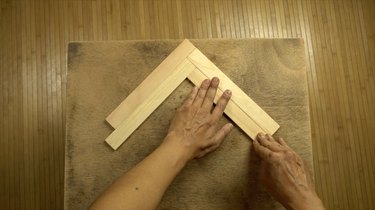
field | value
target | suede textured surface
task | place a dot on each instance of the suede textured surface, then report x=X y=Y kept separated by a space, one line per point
x=101 y=74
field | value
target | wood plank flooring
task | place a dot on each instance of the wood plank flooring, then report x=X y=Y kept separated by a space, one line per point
x=340 y=47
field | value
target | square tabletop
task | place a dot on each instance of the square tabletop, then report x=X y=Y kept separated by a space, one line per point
x=100 y=76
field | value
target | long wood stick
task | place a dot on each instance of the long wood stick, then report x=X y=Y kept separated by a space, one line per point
x=145 y=107
x=248 y=107
x=185 y=61
x=151 y=83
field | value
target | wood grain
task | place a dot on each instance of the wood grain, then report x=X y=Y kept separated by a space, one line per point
x=340 y=48
x=153 y=83
x=241 y=99
x=147 y=98
x=91 y=165
x=188 y=61
x=240 y=117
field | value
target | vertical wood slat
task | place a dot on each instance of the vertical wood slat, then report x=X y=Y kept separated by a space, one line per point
x=332 y=61
x=340 y=53
x=19 y=121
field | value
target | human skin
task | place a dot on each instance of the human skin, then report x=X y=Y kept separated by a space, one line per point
x=193 y=133
x=284 y=174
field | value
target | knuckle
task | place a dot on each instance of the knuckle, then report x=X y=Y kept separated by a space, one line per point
x=202 y=113
x=226 y=129
x=274 y=157
x=201 y=95
x=220 y=105
x=288 y=153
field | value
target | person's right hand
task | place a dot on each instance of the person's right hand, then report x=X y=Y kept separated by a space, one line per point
x=284 y=175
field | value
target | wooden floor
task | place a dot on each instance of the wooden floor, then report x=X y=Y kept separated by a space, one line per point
x=340 y=48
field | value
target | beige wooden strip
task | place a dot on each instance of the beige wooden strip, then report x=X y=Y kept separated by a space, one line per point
x=248 y=106
x=155 y=96
x=165 y=78
x=152 y=82
x=232 y=110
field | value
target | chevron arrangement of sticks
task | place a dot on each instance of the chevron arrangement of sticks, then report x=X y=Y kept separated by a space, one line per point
x=185 y=62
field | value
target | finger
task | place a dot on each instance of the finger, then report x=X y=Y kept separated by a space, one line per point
x=281 y=141
x=190 y=99
x=220 y=105
x=219 y=135
x=222 y=133
x=269 y=142
x=209 y=99
x=263 y=152
x=208 y=150
x=201 y=93
x=217 y=140
x=269 y=137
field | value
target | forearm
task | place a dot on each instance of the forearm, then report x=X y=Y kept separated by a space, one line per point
x=143 y=186
x=194 y=132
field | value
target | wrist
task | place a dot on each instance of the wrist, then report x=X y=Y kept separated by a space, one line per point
x=306 y=201
x=173 y=145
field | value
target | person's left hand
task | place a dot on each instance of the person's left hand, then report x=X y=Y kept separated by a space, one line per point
x=195 y=127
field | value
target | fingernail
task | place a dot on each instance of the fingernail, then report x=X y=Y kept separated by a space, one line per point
x=261 y=135
x=228 y=92
x=215 y=79
x=206 y=81
x=230 y=125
